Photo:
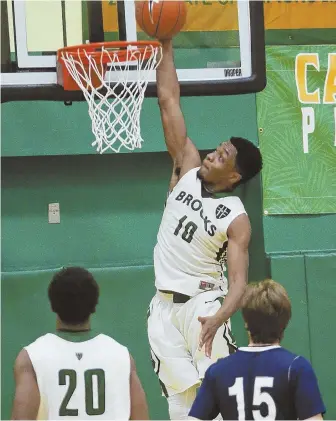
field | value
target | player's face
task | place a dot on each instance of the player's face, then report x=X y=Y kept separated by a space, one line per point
x=219 y=166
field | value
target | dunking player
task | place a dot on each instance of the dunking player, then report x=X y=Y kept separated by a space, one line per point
x=263 y=380
x=76 y=373
x=199 y=232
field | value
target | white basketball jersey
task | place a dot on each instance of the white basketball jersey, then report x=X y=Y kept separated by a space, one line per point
x=88 y=379
x=190 y=254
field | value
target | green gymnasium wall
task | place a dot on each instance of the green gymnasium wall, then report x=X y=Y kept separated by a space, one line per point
x=110 y=207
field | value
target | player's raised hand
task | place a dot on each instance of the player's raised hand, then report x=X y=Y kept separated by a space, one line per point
x=210 y=326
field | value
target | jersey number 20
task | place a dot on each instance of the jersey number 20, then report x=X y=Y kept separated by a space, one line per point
x=259 y=398
x=94 y=394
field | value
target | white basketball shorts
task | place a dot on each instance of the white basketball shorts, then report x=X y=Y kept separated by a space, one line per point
x=173 y=333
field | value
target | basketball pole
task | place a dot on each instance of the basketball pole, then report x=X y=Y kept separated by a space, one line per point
x=95 y=21
x=65 y=41
x=121 y=20
x=5 y=45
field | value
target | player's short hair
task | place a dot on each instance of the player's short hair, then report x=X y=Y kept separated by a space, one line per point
x=266 y=310
x=73 y=294
x=248 y=160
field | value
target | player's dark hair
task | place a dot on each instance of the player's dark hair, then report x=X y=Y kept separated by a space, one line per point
x=73 y=294
x=248 y=159
x=266 y=310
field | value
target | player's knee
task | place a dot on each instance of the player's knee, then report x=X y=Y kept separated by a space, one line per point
x=180 y=404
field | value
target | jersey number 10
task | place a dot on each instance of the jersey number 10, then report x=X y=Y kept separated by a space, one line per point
x=94 y=396
x=189 y=229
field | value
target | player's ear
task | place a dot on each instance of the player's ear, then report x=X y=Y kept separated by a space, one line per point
x=248 y=333
x=235 y=177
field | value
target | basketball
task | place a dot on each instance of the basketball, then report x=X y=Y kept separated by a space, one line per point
x=161 y=19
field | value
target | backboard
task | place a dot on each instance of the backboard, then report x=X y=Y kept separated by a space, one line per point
x=220 y=51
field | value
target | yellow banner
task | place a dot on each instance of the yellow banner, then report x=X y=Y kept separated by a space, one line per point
x=300 y=15
x=222 y=15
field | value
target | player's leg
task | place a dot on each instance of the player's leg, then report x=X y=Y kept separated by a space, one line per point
x=180 y=403
x=171 y=360
x=206 y=304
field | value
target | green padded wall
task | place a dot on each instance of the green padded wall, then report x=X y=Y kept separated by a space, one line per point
x=110 y=207
x=290 y=272
x=297 y=233
x=102 y=226
x=310 y=282
x=321 y=287
x=125 y=294
x=51 y=128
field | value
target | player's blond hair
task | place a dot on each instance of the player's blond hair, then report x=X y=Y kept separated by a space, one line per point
x=266 y=310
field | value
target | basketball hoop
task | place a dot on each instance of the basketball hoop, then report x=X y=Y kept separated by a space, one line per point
x=102 y=72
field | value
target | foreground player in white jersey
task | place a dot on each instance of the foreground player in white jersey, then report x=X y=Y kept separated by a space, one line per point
x=262 y=381
x=200 y=235
x=75 y=373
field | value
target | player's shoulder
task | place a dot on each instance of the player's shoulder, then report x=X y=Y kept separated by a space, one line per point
x=230 y=201
x=189 y=176
x=299 y=363
x=291 y=358
x=40 y=340
x=224 y=364
x=107 y=340
x=227 y=208
x=274 y=354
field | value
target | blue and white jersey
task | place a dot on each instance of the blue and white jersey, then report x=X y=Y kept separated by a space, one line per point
x=268 y=383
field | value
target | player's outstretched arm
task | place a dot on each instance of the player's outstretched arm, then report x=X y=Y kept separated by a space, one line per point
x=239 y=234
x=27 y=396
x=139 y=408
x=183 y=152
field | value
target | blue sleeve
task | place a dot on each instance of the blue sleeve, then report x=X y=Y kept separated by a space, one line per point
x=308 y=400
x=205 y=406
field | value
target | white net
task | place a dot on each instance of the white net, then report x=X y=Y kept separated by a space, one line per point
x=115 y=105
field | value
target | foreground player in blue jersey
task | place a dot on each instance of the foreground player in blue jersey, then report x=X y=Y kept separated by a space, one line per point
x=263 y=380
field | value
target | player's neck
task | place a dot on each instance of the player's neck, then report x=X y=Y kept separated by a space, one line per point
x=73 y=328
x=260 y=344
x=212 y=189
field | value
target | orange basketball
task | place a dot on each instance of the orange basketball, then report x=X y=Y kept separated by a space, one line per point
x=161 y=19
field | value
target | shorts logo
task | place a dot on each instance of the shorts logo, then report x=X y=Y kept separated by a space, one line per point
x=79 y=355
x=206 y=286
x=222 y=211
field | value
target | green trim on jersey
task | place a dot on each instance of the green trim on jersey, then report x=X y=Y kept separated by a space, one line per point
x=73 y=336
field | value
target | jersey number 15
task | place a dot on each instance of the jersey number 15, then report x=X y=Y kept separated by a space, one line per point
x=259 y=398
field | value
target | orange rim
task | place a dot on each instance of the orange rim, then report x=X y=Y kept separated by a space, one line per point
x=117 y=47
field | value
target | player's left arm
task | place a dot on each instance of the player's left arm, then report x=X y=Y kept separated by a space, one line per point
x=139 y=407
x=309 y=404
x=239 y=234
x=27 y=396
